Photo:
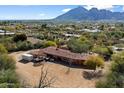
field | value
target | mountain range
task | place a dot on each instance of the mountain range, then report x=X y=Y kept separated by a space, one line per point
x=80 y=14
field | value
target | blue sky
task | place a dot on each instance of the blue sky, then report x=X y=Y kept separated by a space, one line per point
x=44 y=11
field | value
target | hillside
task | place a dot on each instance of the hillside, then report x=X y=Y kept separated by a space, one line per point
x=80 y=13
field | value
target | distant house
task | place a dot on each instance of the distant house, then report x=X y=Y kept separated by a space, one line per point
x=71 y=35
x=2 y=32
x=91 y=30
x=122 y=40
x=69 y=28
x=116 y=49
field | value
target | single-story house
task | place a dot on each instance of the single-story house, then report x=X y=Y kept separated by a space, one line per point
x=61 y=55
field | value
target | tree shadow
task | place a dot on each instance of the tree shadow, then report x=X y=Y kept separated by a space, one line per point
x=92 y=74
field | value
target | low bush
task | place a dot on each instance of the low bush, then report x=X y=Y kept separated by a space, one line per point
x=38 y=45
x=6 y=62
x=49 y=43
x=79 y=45
x=94 y=61
x=115 y=78
x=19 y=37
x=2 y=49
x=25 y=45
x=8 y=79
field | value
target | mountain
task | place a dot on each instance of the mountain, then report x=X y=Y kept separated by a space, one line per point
x=80 y=13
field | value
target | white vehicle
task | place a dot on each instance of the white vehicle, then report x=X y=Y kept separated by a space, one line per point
x=27 y=57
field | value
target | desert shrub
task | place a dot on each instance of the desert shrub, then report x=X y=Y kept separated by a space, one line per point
x=25 y=45
x=8 y=79
x=49 y=43
x=19 y=37
x=79 y=45
x=93 y=62
x=118 y=63
x=6 y=62
x=7 y=39
x=100 y=50
x=115 y=78
x=38 y=45
x=60 y=42
x=104 y=84
x=11 y=47
x=2 y=49
x=105 y=52
x=8 y=43
x=40 y=36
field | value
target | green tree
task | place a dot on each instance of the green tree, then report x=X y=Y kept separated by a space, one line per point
x=19 y=37
x=93 y=62
x=9 y=79
x=25 y=45
x=102 y=27
x=44 y=25
x=6 y=62
x=2 y=49
x=106 y=52
x=49 y=43
x=118 y=64
x=9 y=44
x=8 y=76
x=79 y=45
x=115 y=78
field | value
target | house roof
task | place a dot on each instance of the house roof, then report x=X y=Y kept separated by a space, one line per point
x=37 y=53
x=64 y=53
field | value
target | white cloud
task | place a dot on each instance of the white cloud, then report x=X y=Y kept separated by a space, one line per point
x=66 y=10
x=42 y=14
x=107 y=7
x=123 y=8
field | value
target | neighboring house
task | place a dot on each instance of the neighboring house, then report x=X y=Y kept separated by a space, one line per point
x=2 y=32
x=116 y=49
x=72 y=35
x=91 y=30
x=122 y=40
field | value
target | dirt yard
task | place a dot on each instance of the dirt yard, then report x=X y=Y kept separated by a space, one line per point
x=31 y=74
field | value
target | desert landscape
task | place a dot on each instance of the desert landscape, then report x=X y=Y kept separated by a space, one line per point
x=62 y=46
